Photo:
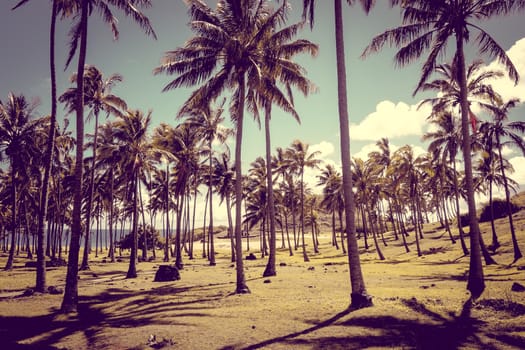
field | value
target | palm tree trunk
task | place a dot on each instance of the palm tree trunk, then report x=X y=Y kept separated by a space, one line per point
x=11 y=257
x=132 y=270
x=70 y=300
x=241 y=280
x=211 y=240
x=305 y=255
x=495 y=243
x=111 y=214
x=270 y=266
x=515 y=246
x=89 y=205
x=359 y=296
x=476 y=282
x=48 y=159
x=456 y=195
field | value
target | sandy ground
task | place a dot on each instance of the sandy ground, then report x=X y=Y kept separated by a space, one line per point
x=417 y=302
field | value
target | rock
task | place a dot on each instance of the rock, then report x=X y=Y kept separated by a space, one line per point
x=282 y=264
x=517 y=287
x=55 y=290
x=311 y=268
x=251 y=257
x=28 y=292
x=267 y=281
x=167 y=273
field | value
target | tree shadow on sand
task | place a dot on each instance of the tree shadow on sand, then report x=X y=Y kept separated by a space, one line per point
x=113 y=308
x=428 y=330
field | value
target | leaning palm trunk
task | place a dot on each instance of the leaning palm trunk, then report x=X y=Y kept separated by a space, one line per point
x=515 y=246
x=10 y=259
x=241 y=281
x=91 y=189
x=270 y=267
x=132 y=270
x=70 y=300
x=476 y=282
x=456 y=195
x=48 y=159
x=359 y=296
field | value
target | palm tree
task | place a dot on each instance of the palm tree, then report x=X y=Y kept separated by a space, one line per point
x=57 y=7
x=79 y=33
x=98 y=97
x=226 y=53
x=137 y=156
x=18 y=134
x=284 y=71
x=332 y=197
x=446 y=139
x=429 y=24
x=301 y=158
x=495 y=133
x=359 y=296
x=208 y=122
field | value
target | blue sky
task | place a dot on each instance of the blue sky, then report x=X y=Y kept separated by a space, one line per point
x=380 y=94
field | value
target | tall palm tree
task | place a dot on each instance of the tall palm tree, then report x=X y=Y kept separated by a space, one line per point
x=208 y=122
x=137 y=155
x=79 y=33
x=332 y=200
x=226 y=53
x=430 y=24
x=281 y=71
x=18 y=132
x=301 y=158
x=502 y=132
x=57 y=7
x=446 y=139
x=359 y=296
x=98 y=97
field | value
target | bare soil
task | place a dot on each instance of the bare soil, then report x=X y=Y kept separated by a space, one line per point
x=418 y=302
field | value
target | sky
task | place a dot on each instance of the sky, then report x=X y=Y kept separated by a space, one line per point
x=380 y=97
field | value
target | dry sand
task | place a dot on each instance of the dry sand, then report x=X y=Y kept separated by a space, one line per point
x=417 y=302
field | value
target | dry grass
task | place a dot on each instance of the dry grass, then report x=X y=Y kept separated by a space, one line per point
x=417 y=303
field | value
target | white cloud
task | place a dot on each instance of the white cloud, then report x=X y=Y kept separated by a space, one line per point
x=392 y=121
x=505 y=86
x=371 y=147
x=519 y=170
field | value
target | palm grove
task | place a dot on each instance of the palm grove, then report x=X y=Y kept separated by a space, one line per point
x=240 y=62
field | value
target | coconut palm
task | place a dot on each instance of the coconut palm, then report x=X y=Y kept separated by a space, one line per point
x=502 y=132
x=226 y=53
x=281 y=70
x=79 y=34
x=58 y=7
x=98 y=98
x=137 y=156
x=359 y=296
x=332 y=200
x=301 y=158
x=18 y=134
x=429 y=25
x=446 y=140
x=208 y=122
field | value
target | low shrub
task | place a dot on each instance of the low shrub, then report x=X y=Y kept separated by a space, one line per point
x=500 y=210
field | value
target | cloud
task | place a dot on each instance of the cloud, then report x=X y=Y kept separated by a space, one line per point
x=392 y=121
x=505 y=86
x=519 y=170
x=371 y=147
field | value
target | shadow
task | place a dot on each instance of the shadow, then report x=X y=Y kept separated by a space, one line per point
x=290 y=336
x=114 y=308
x=427 y=330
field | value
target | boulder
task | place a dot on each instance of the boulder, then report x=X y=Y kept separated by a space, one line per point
x=517 y=287
x=55 y=290
x=251 y=256
x=167 y=273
